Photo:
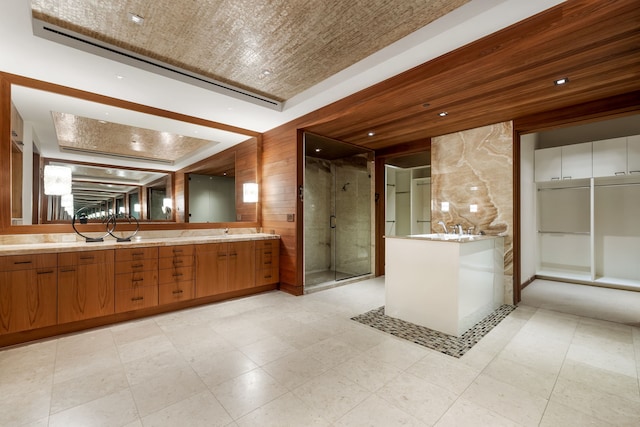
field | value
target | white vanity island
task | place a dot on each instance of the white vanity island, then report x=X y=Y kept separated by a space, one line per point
x=445 y=282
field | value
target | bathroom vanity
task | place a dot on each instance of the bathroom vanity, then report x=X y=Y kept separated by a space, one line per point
x=49 y=289
x=446 y=282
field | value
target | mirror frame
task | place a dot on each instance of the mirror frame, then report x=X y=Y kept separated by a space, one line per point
x=6 y=227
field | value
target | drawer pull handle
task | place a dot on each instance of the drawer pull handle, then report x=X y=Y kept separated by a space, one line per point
x=137 y=266
x=134 y=281
x=267 y=263
x=267 y=277
x=22 y=262
x=222 y=256
x=45 y=272
x=137 y=299
x=67 y=270
x=179 y=291
x=177 y=251
x=178 y=261
x=630 y=172
x=137 y=253
x=87 y=257
x=619 y=173
x=177 y=274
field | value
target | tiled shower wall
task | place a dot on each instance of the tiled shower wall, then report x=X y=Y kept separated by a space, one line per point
x=472 y=171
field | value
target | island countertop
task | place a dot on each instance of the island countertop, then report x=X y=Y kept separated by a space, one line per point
x=441 y=237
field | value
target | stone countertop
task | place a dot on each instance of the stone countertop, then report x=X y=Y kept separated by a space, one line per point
x=111 y=243
x=440 y=237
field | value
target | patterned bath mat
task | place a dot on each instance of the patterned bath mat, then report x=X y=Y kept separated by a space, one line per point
x=439 y=341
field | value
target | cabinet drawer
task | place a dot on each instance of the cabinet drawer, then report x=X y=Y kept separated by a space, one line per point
x=136 y=266
x=267 y=276
x=267 y=258
x=134 y=299
x=273 y=244
x=172 y=251
x=26 y=262
x=136 y=280
x=85 y=257
x=174 y=292
x=176 y=274
x=136 y=254
x=176 y=261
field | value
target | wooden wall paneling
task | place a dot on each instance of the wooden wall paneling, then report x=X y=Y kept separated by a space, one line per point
x=246 y=171
x=5 y=152
x=280 y=199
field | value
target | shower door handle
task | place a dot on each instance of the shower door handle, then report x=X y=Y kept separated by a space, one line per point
x=332 y=221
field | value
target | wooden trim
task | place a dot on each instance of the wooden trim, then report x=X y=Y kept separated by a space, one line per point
x=52 y=331
x=291 y=289
x=517 y=264
x=526 y=283
x=5 y=153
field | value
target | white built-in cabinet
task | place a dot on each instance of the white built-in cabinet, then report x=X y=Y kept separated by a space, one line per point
x=567 y=162
x=588 y=227
x=408 y=201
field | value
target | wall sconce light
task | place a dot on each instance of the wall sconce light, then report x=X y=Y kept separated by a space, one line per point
x=249 y=192
x=473 y=208
x=57 y=180
x=445 y=207
x=136 y=207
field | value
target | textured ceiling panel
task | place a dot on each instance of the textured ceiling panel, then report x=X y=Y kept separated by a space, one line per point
x=100 y=137
x=300 y=42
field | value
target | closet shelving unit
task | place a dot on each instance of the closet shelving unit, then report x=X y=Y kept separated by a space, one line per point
x=589 y=228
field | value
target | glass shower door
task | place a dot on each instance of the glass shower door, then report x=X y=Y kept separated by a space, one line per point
x=351 y=225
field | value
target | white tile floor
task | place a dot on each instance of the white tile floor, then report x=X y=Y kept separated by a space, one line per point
x=278 y=360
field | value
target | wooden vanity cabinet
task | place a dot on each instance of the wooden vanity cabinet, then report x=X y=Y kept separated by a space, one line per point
x=136 y=272
x=267 y=262
x=27 y=292
x=224 y=267
x=86 y=285
x=176 y=273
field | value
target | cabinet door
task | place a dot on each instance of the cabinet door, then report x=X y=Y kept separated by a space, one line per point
x=610 y=157
x=211 y=269
x=577 y=161
x=548 y=164
x=27 y=299
x=85 y=291
x=633 y=154
x=242 y=265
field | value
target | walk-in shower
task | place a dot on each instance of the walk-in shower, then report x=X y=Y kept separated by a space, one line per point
x=337 y=211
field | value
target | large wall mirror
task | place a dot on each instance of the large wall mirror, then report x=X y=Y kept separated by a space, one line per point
x=123 y=158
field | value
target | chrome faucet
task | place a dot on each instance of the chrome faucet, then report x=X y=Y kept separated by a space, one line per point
x=226 y=230
x=460 y=230
x=444 y=226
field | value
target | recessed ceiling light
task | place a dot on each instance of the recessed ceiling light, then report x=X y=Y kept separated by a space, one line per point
x=318 y=150
x=136 y=19
x=264 y=74
x=443 y=113
x=561 y=81
x=372 y=133
x=119 y=76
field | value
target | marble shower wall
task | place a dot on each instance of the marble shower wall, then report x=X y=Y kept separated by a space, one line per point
x=472 y=171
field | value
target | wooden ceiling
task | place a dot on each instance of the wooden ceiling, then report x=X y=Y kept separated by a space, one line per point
x=504 y=76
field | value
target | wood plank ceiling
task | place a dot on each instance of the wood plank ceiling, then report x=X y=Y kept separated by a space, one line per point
x=504 y=76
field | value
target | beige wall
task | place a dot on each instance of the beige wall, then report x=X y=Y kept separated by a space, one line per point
x=475 y=167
